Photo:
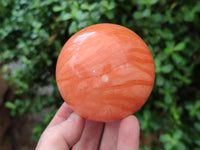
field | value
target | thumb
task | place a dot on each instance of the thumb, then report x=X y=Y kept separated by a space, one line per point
x=62 y=136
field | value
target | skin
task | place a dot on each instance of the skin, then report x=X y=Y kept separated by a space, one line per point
x=67 y=129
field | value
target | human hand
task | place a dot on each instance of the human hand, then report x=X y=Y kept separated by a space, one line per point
x=67 y=129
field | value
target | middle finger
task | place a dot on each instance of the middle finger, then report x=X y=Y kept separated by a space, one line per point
x=90 y=137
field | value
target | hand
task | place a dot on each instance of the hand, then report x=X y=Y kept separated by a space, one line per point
x=67 y=129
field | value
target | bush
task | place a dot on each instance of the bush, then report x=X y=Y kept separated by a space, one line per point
x=32 y=34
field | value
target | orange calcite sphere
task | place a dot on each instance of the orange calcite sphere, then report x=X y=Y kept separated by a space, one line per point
x=105 y=72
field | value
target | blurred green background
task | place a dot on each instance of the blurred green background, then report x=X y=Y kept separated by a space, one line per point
x=32 y=33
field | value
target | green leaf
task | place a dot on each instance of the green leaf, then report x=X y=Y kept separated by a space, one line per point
x=108 y=5
x=10 y=105
x=177 y=134
x=197 y=141
x=110 y=15
x=165 y=138
x=80 y=15
x=5 y=68
x=180 y=46
x=170 y=44
x=65 y=16
x=168 y=51
x=195 y=108
x=168 y=98
x=85 y=6
x=197 y=126
x=178 y=59
x=167 y=68
x=57 y=8
x=159 y=80
x=162 y=56
x=153 y=1
x=73 y=27
x=157 y=65
x=95 y=16
x=94 y=6
x=146 y=12
x=180 y=146
x=137 y=15
x=198 y=114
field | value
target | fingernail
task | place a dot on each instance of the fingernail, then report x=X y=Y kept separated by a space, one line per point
x=73 y=117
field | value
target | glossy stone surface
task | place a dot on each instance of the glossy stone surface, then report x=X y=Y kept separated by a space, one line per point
x=105 y=72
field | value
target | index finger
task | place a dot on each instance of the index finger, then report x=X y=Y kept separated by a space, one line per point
x=62 y=114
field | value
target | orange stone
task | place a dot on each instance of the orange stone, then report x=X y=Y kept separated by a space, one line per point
x=105 y=72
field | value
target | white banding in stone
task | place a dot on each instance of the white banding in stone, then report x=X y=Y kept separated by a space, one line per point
x=105 y=78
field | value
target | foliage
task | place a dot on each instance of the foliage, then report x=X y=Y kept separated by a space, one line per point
x=33 y=32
